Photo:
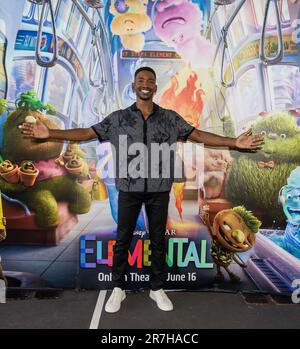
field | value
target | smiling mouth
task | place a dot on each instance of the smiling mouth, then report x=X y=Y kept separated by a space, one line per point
x=294 y=212
x=245 y=244
x=179 y=20
x=267 y=155
x=128 y=21
x=226 y=238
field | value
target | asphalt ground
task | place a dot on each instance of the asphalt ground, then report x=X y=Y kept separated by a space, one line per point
x=192 y=310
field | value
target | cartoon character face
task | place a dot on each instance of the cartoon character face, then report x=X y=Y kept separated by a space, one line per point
x=6 y=166
x=291 y=204
x=217 y=160
x=282 y=138
x=179 y=24
x=290 y=197
x=176 y=24
x=17 y=147
x=232 y=232
x=130 y=22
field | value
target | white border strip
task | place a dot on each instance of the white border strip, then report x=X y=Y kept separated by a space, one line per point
x=98 y=310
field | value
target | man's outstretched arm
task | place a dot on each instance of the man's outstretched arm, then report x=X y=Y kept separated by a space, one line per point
x=246 y=140
x=41 y=131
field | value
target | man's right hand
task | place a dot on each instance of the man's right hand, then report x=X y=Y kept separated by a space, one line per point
x=37 y=130
x=40 y=130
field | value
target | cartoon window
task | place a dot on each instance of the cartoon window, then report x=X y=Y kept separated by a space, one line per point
x=59 y=89
x=29 y=13
x=27 y=7
x=63 y=13
x=284 y=82
x=245 y=100
x=259 y=7
x=219 y=21
x=32 y=12
x=284 y=9
x=223 y=13
x=248 y=18
x=74 y=25
x=238 y=29
x=54 y=6
x=22 y=77
x=84 y=40
x=76 y=113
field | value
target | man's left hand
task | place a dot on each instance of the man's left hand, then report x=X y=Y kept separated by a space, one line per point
x=248 y=141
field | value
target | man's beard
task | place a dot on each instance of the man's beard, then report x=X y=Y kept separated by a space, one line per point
x=145 y=98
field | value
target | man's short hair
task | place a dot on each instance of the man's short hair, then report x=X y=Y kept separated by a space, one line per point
x=144 y=68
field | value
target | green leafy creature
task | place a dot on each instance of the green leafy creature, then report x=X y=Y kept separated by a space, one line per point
x=30 y=101
x=53 y=183
x=255 y=179
x=3 y=106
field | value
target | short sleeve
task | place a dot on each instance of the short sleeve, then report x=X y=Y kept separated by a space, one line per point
x=105 y=128
x=184 y=129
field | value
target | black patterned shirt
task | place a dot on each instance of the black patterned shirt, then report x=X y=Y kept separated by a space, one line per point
x=125 y=128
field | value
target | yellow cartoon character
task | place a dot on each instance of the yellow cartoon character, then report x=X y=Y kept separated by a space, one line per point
x=234 y=231
x=130 y=22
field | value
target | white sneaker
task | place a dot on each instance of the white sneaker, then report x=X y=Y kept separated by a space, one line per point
x=162 y=300
x=114 y=301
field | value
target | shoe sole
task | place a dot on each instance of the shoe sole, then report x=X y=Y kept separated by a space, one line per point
x=152 y=297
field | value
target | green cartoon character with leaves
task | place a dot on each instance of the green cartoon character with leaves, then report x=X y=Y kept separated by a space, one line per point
x=37 y=172
x=255 y=179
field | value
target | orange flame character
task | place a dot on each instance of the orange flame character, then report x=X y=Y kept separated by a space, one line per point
x=188 y=103
x=178 y=193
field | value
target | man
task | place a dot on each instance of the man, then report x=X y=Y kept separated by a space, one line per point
x=144 y=122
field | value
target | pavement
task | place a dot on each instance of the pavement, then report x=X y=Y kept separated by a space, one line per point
x=192 y=310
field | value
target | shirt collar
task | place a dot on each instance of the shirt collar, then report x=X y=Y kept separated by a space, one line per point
x=134 y=107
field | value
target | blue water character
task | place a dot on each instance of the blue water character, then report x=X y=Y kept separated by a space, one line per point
x=289 y=197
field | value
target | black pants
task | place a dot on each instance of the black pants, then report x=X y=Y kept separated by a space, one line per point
x=130 y=204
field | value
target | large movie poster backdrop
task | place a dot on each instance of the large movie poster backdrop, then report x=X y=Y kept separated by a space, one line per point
x=225 y=66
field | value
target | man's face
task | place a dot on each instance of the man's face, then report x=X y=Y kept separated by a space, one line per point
x=144 y=85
